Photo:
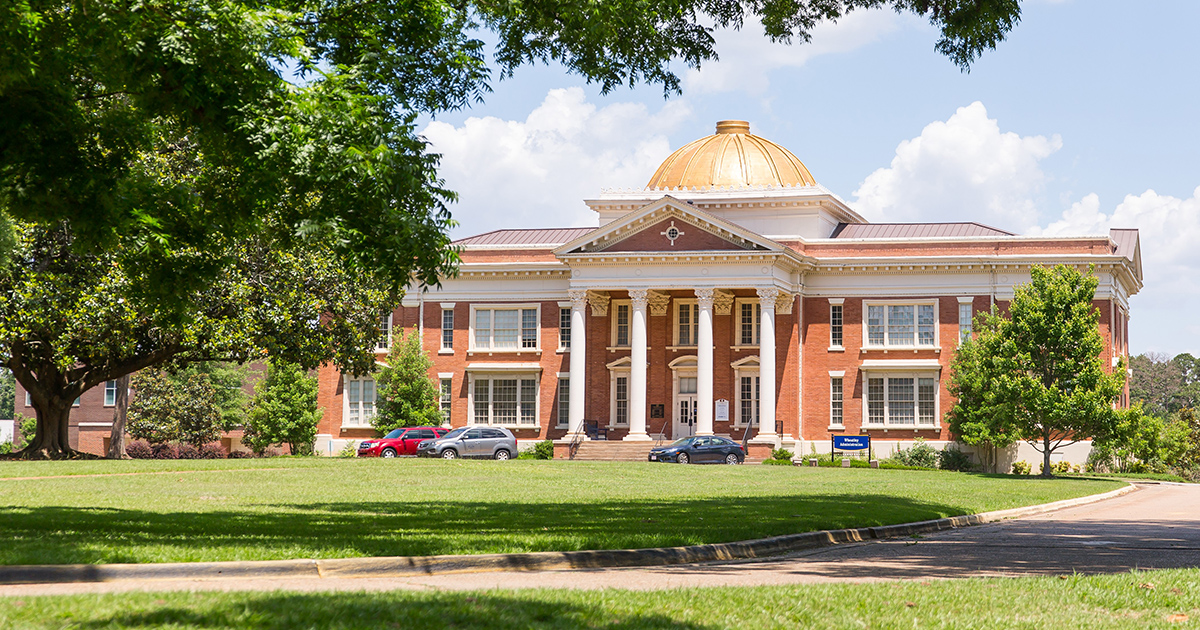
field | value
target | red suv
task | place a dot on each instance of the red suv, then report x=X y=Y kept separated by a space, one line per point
x=399 y=442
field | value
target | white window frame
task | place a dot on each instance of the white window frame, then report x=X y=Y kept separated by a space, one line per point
x=737 y=322
x=837 y=399
x=747 y=367
x=446 y=396
x=838 y=343
x=967 y=328
x=474 y=377
x=617 y=370
x=916 y=376
x=364 y=416
x=385 y=341
x=519 y=308
x=866 y=331
x=110 y=393
x=28 y=399
x=613 y=309
x=694 y=314
x=562 y=400
x=564 y=326
x=447 y=348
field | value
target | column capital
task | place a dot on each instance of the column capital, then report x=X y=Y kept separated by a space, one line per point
x=599 y=301
x=659 y=302
x=579 y=298
x=704 y=298
x=767 y=297
x=723 y=302
x=637 y=297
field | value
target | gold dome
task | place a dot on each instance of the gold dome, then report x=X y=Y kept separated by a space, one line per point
x=731 y=158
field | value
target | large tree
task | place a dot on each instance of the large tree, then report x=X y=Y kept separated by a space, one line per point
x=1036 y=372
x=70 y=320
x=284 y=410
x=309 y=106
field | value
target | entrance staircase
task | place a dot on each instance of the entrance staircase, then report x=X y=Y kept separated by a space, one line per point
x=613 y=451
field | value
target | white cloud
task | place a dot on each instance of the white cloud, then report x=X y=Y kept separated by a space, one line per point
x=963 y=169
x=536 y=172
x=747 y=56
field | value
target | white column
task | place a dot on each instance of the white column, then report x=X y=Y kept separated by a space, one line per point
x=637 y=366
x=704 y=363
x=766 y=364
x=578 y=385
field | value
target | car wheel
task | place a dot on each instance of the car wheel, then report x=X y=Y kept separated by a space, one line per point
x=388 y=452
x=683 y=459
x=731 y=458
x=502 y=455
x=449 y=454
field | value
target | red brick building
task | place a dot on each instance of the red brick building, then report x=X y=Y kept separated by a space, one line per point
x=732 y=292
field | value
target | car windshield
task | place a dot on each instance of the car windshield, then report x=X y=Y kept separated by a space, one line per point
x=682 y=442
x=455 y=433
x=393 y=434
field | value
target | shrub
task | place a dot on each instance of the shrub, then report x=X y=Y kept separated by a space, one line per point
x=6 y=448
x=778 y=462
x=540 y=450
x=139 y=449
x=241 y=455
x=349 y=450
x=165 y=451
x=1021 y=468
x=213 y=450
x=187 y=451
x=921 y=455
x=782 y=453
x=954 y=459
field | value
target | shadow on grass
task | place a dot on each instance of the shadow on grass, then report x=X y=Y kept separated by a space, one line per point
x=385 y=611
x=53 y=535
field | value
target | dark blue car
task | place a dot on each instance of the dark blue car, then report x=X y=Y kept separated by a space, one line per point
x=699 y=449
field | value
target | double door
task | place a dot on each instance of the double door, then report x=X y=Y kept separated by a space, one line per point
x=685 y=408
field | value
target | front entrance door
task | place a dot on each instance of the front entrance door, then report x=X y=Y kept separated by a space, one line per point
x=685 y=409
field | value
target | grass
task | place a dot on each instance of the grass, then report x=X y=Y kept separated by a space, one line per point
x=327 y=508
x=1161 y=599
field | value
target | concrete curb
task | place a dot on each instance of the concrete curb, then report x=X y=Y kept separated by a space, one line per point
x=402 y=566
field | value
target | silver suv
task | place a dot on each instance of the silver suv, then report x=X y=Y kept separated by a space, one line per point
x=486 y=442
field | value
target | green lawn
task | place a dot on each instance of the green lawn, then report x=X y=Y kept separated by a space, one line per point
x=330 y=508
x=1087 y=603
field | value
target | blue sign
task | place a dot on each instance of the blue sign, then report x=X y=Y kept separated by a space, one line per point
x=851 y=442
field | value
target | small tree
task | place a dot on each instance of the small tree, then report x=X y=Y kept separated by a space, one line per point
x=7 y=393
x=408 y=397
x=1039 y=372
x=284 y=410
x=974 y=418
x=166 y=409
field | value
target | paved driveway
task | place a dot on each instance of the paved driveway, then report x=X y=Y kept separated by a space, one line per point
x=1156 y=527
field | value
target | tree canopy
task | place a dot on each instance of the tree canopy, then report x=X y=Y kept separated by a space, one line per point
x=1163 y=384
x=1035 y=373
x=181 y=122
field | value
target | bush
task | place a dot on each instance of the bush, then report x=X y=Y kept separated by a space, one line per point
x=284 y=410
x=139 y=449
x=165 y=451
x=782 y=453
x=241 y=455
x=954 y=459
x=921 y=455
x=213 y=450
x=1021 y=468
x=540 y=450
x=349 y=450
x=778 y=462
x=187 y=451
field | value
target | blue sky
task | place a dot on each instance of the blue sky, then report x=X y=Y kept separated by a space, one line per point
x=1085 y=118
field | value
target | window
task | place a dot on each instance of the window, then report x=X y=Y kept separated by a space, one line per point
x=910 y=401
x=564 y=328
x=446 y=389
x=748 y=399
x=749 y=320
x=964 y=321
x=506 y=329
x=360 y=402
x=835 y=402
x=901 y=325
x=508 y=400
x=687 y=317
x=447 y=329
x=835 y=325
x=385 y=328
x=28 y=399
x=621 y=398
x=110 y=393
x=564 y=401
x=622 y=335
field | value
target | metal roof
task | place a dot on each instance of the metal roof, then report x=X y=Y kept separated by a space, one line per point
x=538 y=237
x=1126 y=240
x=915 y=230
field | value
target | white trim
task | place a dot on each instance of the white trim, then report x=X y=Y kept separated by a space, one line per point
x=676 y=305
x=566 y=304
x=836 y=301
x=445 y=374
x=621 y=368
x=745 y=367
x=966 y=299
x=504 y=367
x=899 y=364
x=365 y=421
x=491 y=375
x=736 y=324
x=95 y=424
x=448 y=305
x=837 y=373
x=886 y=375
x=519 y=307
x=866 y=337
x=612 y=324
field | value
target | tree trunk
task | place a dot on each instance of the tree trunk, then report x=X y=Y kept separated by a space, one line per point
x=1046 y=455
x=52 y=438
x=116 y=440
